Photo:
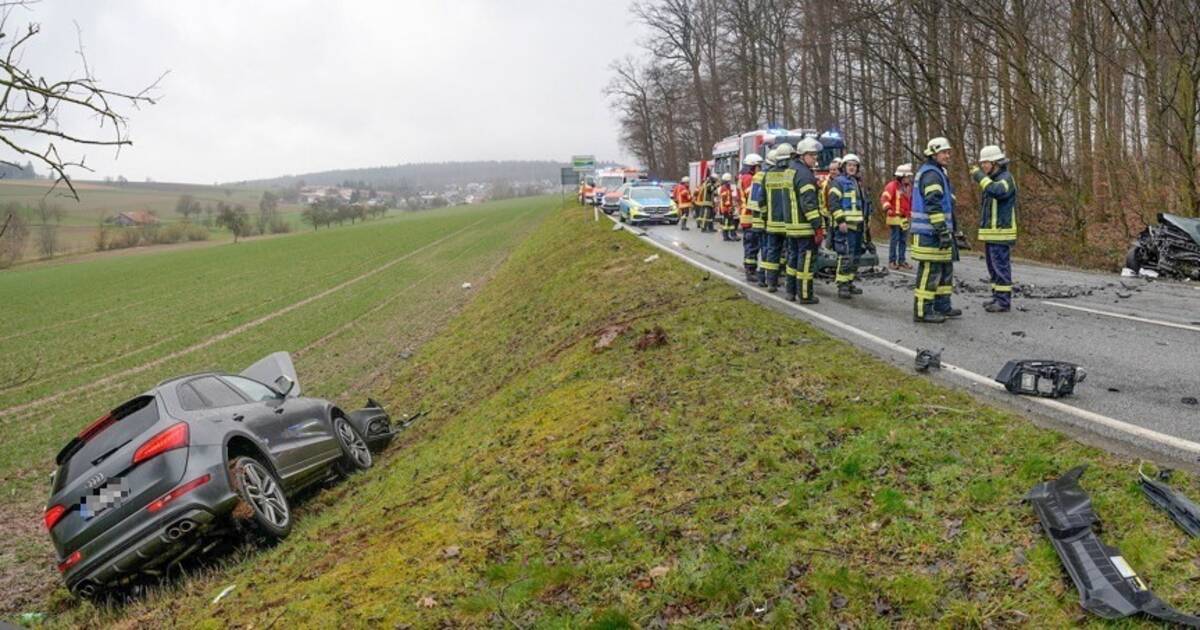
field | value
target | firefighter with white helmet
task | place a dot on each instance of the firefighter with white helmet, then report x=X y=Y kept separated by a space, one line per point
x=897 y=205
x=933 y=245
x=793 y=215
x=774 y=219
x=752 y=223
x=850 y=215
x=997 y=223
x=727 y=203
x=682 y=195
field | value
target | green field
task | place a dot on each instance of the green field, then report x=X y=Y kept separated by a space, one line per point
x=749 y=472
x=349 y=303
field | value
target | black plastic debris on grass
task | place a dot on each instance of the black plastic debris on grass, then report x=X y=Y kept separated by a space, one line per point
x=1189 y=400
x=926 y=359
x=1108 y=587
x=1041 y=377
x=1181 y=509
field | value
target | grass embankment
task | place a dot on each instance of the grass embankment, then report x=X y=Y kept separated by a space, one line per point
x=80 y=338
x=751 y=471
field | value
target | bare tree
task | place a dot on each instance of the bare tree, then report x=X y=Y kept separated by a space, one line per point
x=32 y=107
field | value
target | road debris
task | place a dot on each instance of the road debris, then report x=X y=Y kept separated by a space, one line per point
x=1039 y=377
x=651 y=258
x=926 y=359
x=466 y=285
x=616 y=227
x=227 y=590
x=1172 y=248
x=1108 y=587
x=1181 y=509
x=1189 y=400
x=1018 y=333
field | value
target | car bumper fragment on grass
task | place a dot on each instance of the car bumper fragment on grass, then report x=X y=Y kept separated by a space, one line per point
x=1107 y=586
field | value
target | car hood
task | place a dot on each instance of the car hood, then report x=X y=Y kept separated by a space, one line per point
x=271 y=367
x=1187 y=225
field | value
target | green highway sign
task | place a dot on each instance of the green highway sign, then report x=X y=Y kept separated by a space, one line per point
x=583 y=162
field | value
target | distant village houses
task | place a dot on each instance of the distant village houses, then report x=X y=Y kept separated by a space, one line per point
x=135 y=218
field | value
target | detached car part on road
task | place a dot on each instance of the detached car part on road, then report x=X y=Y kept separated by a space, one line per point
x=195 y=459
x=1170 y=248
x=1107 y=586
x=1040 y=377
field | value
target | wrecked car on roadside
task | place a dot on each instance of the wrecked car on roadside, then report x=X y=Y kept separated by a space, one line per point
x=196 y=460
x=1171 y=248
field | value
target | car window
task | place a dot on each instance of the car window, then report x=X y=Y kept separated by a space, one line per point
x=252 y=389
x=215 y=393
x=188 y=398
x=646 y=193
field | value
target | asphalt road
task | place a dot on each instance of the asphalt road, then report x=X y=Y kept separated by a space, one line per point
x=1138 y=340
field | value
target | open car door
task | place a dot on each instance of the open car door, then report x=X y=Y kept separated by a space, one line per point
x=276 y=370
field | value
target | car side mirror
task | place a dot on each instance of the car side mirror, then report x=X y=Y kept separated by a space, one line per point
x=284 y=384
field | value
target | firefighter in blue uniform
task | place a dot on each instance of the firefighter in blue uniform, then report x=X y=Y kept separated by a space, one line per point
x=933 y=247
x=849 y=219
x=754 y=229
x=774 y=215
x=804 y=222
x=997 y=223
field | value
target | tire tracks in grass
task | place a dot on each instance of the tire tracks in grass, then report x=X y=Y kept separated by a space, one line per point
x=233 y=331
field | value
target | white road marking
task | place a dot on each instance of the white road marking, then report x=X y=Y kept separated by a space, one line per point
x=1145 y=320
x=1151 y=435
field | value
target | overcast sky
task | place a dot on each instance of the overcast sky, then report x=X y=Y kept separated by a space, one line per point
x=271 y=87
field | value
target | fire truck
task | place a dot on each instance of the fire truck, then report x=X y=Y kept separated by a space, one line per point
x=729 y=153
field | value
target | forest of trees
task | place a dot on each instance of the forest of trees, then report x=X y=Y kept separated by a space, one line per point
x=1096 y=102
x=431 y=175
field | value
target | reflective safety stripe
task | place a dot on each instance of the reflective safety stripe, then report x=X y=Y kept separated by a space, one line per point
x=997 y=235
x=944 y=289
x=932 y=187
x=937 y=218
x=928 y=253
x=1002 y=288
x=770 y=266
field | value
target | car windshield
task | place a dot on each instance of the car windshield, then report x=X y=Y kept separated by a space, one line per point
x=649 y=194
x=611 y=183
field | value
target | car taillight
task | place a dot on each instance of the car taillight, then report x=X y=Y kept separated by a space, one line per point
x=71 y=561
x=53 y=515
x=98 y=425
x=162 y=501
x=173 y=437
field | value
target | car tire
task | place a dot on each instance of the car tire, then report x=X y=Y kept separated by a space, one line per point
x=263 y=509
x=356 y=456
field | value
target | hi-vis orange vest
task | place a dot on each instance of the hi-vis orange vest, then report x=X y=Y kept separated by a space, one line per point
x=726 y=198
x=683 y=197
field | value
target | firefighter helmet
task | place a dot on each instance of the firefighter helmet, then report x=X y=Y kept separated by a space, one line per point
x=937 y=145
x=850 y=157
x=904 y=170
x=770 y=159
x=753 y=159
x=685 y=180
x=991 y=153
x=783 y=151
x=809 y=145
x=727 y=177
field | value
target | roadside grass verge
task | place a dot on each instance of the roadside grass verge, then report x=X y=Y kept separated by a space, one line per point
x=741 y=469
x=343 y=343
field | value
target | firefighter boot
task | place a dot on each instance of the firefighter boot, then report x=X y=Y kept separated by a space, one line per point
x=855 y=290
x=762 y=278
x=951 y=312
x=811 y=299
x=930 y=318
x=994 y=307
x=844 y=291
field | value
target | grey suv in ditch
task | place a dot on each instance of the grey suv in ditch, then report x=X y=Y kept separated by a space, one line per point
x=198 y=458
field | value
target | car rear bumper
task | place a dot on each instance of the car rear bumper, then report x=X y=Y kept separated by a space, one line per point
x=145 y=541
